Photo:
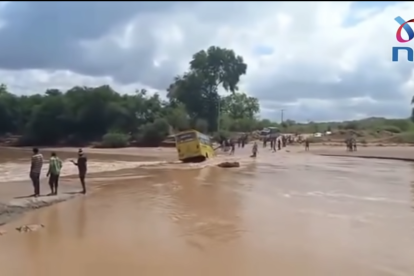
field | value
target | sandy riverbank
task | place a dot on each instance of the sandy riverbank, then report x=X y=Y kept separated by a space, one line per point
x=392 y=153
x=15 y=199
x=19 y=206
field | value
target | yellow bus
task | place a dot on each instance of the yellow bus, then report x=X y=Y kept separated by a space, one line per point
x=193 y=146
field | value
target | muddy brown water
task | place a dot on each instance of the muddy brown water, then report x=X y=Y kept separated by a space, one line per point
x=281 y=214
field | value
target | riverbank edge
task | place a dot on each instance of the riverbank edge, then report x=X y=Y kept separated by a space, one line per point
x=17 y=207
x=381 y=157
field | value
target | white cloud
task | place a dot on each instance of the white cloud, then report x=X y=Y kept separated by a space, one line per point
x=323 y=61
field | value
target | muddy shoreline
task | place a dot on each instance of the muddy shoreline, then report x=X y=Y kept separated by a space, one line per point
x=385 y=153
x=13 y=207
x=18 y=207
x=370 y=157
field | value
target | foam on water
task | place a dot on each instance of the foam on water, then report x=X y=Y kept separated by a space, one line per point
x=16 y=171
x=12 y=171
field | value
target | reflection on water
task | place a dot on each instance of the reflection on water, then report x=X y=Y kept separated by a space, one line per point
x=12 y=171
x=53 y=223
x=33 y=246
x=81 y=219
x=412 y=194
x=283 y=214
x=412 y=187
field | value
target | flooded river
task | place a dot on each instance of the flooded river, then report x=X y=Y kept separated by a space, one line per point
x=282 y=214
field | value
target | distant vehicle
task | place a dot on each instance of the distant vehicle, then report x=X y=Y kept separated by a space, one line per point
x=269 y=130
x=193 y=146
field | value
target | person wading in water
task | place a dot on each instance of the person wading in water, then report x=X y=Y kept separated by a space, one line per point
x=279 y=143
x=82 y=168
x=35 y=170
x=55 y=165
x=232 y=146
x=254 y=150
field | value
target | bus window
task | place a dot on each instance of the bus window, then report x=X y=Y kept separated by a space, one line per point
x=203 y=139
x=186 y=137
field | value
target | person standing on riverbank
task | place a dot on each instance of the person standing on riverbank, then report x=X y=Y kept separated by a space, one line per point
x=307 y=144
x=82 y=165
x=35 y=170
x=55 y=165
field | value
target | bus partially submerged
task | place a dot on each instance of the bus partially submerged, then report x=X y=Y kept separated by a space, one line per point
x=193 y=146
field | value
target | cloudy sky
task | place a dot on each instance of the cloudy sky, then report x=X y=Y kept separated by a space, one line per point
x=317 y=61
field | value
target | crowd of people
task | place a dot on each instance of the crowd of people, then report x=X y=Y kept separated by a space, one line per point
x=276 y=141
x=53 y=173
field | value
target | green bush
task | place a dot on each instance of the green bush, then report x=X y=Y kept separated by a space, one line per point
x=221 y=135
x=201 y=125
x=115 y=140
x=404 y=137
x=403 y=124
x=152 y=134
x=351 y=125
x=393 y=129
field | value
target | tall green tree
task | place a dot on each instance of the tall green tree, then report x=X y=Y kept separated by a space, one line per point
x=239 y=106
x=198 y=88
x=412 y=109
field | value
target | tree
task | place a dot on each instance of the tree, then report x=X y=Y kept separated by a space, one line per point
x=198 y=88
x=412 y=110
x=239 y=106
x=8 y=109
x=177 y=117
x=187 y=90
x=218 y=66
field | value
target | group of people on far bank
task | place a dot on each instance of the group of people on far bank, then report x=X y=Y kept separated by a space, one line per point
x=53 y=173
x=276 y=143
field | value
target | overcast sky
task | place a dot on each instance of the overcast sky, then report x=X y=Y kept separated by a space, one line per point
x=317 y=61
